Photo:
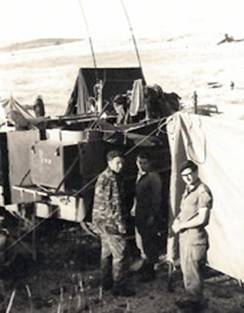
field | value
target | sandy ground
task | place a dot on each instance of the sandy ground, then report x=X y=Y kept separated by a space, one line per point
x=69 y=256
x=182 y=65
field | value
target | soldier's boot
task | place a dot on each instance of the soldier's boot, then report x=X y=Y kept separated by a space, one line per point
x=191 y=305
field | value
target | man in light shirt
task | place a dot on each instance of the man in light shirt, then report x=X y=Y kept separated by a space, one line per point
x=195 y=207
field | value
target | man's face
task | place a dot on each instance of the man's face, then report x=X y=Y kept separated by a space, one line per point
x=189 y=176
x=116 y=164
x=143 y=164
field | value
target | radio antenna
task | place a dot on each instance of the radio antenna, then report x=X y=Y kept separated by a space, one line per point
x=132 y=33
x=89 y=37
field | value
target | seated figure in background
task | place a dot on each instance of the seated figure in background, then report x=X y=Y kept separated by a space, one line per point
x=121 y=104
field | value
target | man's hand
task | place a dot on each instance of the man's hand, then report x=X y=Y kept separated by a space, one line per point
x=133 y=210
x=176 y=227
x=121 y=229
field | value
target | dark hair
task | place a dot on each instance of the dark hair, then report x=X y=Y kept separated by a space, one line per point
x=113 y=154
x=188 y=164
x=144 y=155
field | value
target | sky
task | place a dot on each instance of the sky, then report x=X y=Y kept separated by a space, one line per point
x=22 y=20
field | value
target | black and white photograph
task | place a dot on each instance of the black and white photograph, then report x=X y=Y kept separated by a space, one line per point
x=121 y=156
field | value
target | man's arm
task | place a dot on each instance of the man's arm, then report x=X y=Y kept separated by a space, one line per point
x=99 y=193
x=156 y=193
x=201 y=219
x=156 y=197
x=28 y=106
x=116 y=206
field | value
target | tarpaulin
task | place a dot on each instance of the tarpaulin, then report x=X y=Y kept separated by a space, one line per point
x=137 y=97
x=115 y=81
x=216 y=146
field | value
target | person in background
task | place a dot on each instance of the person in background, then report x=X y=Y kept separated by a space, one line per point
x=109 y=220
x=39 y=107
x=121 y=104
x=146 y=209
x=194 y=215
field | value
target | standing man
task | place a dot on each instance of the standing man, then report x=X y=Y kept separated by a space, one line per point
x=147 y=204
x=194 y=215
x=109 y=219
x=39 y=107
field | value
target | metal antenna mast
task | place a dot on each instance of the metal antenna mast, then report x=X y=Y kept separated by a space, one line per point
x=88 y=33
x=99 y=82
x=132 y=33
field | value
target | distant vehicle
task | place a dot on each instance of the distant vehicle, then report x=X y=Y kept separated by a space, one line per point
x=228 y=38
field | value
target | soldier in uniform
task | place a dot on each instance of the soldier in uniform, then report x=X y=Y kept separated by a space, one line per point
x=109 y=219
x=194 y=215
x=146 y=209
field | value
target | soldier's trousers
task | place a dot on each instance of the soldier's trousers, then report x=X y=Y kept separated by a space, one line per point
x=146 y=241
x=192 y=260
x=113 y=259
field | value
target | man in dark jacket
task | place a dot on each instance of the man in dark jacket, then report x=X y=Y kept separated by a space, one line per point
x=109 y=219
x=147 y=204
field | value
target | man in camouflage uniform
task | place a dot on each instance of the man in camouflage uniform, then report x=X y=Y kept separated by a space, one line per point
x=195 y=207
x=109 y=219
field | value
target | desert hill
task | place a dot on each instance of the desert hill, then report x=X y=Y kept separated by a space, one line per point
x=183 y=64
x=37 y=43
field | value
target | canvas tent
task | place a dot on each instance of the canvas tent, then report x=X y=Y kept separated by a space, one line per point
x=115 y=81
x=11 y=104
x=216 y=145
x=13 y=113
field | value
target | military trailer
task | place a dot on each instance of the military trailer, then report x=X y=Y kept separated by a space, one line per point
x=53 y=166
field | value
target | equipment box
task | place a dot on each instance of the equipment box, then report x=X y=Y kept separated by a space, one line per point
x=56 y=165
x=15 y=163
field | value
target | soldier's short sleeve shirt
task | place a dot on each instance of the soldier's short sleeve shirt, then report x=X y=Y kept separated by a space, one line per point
x=192 y=201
